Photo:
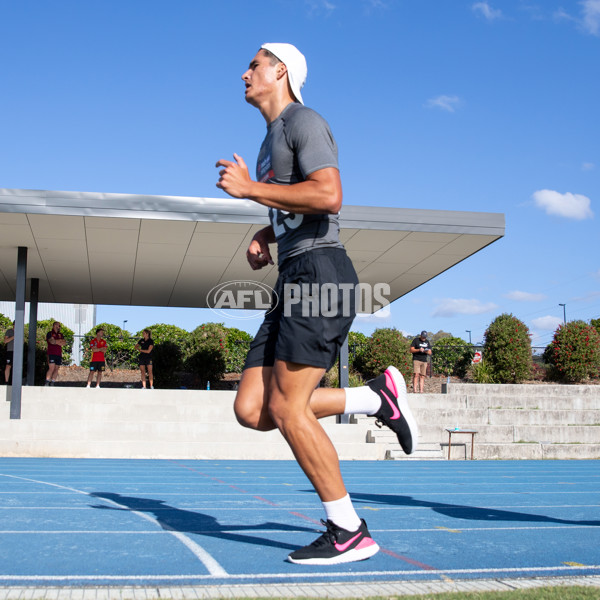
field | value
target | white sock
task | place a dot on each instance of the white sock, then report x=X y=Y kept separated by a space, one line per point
x=342 y=513
x=361 y=401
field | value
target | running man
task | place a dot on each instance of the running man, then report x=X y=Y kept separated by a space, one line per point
x=98 y=348
x=299 y=181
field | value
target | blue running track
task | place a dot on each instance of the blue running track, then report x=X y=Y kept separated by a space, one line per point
x=73 y=522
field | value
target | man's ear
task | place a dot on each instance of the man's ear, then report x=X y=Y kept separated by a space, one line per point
x=281 y=70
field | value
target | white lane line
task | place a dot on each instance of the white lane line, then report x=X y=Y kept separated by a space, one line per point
x=213 y=567
x=301 y=576
x=266 y=531
x=505 y=508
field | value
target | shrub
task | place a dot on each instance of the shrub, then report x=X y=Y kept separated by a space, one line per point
x=167 y=364
x=357 y=348
x=574 y=353
x=481 y=373
x=387 y=347
x=451 y=356
x=120 y=353
x=331 y=379
x=5 y=323
x=205 y=352
x=507 y=350
x=238 y=344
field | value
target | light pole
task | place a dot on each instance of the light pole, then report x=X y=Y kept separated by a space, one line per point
x=564 y=312
x=469 y=332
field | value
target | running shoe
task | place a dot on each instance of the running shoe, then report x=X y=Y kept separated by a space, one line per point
x=336 y=546
x=394 y=411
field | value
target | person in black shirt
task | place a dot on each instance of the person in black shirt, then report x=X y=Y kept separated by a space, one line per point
x=421 y=350
x=145 y=347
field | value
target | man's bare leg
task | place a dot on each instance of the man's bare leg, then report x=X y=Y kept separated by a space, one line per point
x=251 y=405
x=290 y=392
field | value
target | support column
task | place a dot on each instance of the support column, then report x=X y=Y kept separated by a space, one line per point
x=33 y=311
x=17 y=370
x=344 y=373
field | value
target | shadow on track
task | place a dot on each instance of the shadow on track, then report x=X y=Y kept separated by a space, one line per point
x=459 y=511
x=187 y=521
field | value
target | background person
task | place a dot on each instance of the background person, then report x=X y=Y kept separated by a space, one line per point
x=98 y=349
x=145 y=346
x=421 y=350
x=55 y=340
x=9 y=340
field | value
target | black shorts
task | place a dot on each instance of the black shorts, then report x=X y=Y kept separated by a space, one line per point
x=98 y=365
x=9 y=357
x=55 y=359
x=145 y=360
x=311 y=331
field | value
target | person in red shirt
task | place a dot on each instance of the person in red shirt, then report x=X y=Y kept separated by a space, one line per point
x=98 y=349
x=56 y=341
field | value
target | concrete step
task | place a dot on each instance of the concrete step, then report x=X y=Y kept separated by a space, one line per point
x=533 y=402
x=543 y=417
x=507 y=389
x=423 y=452
x=533 y=451
x=183 y=449
x=506 y=434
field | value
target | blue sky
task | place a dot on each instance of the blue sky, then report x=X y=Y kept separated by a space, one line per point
x=486 y=106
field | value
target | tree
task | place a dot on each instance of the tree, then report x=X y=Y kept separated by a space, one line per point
x=205 y=352
x=574 y=353
x=451 y=356
x=238 y=344
x=507 y=350
x=387 y=347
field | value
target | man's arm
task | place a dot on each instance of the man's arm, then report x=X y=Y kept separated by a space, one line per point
x=320 y=193
x=258 y=254
x=8 y=338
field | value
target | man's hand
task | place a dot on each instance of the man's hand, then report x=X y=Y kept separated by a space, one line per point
x=234 y=178
x=258 y=255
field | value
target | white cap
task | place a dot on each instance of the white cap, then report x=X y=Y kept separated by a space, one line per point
x=295 y=62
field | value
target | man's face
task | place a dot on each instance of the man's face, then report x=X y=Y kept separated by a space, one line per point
x=260 y=78
x=56 y=327
x=100 y=334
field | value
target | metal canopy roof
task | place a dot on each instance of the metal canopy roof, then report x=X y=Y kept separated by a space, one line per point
x=95 y=248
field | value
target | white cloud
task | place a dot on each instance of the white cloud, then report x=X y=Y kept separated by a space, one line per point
x=450 y=307
x=448 y=103
x=571 y=206
x=589 y=21
x=487 y=11
x=524 y=296
x=548 y=323
x=587 y=166
x=318 y=7
x=591 y=16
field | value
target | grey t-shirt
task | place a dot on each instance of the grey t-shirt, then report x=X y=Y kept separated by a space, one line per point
x=298 y=143
x=11 y=345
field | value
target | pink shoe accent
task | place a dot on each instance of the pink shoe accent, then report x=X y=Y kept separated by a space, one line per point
x=395 y=411
x=365 y=543
x=342 y=547
x=389 y=380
